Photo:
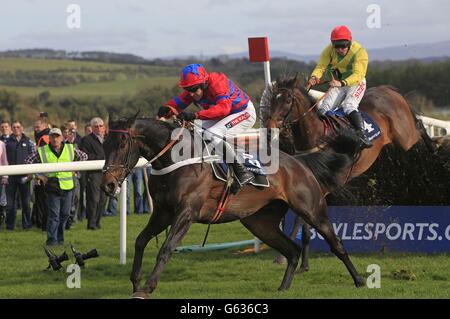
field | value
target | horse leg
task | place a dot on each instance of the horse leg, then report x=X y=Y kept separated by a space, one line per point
x=157 y=223
x=264 y=224
x=306 y=238
x=177 y=231
x=323 y=225
x=280 y=259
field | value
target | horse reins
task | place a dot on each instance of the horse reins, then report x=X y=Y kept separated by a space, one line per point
x=130 y=142
x=127 y=159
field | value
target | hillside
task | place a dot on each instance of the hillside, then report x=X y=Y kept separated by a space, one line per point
x=84 y=89
x=30 y=77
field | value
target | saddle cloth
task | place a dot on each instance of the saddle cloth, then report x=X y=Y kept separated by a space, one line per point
x=371 y=128
x=251 y=163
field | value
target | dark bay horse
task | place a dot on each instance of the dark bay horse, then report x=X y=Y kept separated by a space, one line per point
x=291 y=109
x=190 y=194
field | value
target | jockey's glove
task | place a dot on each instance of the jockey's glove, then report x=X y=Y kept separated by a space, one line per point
x=163 y=111
x=186 y=116
x=313 y=81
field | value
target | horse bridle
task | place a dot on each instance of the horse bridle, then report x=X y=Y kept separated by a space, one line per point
x=130 y=138
x=127 y=159
x=288 y=125
x=285 y=124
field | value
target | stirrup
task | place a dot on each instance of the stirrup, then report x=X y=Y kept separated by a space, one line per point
x=366 y=143
x=243 y=176
x=246 y=180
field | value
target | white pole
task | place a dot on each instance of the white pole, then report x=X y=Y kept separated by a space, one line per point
x=123 y=223
x=268 y=81
x=267 y=72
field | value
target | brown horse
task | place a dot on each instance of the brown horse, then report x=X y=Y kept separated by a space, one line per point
x=190 y=194
x=291 y=109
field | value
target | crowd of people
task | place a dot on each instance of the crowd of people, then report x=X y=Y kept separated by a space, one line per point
x=58 y=199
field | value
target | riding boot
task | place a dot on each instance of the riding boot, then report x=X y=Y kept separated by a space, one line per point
x=357 y=121
x=242 y=174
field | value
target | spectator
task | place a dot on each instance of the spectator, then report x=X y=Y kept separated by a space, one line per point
x=58 y=186
x=40 y=209
x=5 y=130
x=41 y=131
x=3 y=182
x=83 y=176
x=18 y=148
x=87 y=129
x=92 y=145
x=72 y=126
x=70 y=137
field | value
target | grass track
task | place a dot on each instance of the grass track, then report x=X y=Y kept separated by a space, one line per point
x=218 y=274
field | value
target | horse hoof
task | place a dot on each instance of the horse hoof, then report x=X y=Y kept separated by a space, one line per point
x=280 y=260
x=360 y=283
x=139 y=295
x=302 y=270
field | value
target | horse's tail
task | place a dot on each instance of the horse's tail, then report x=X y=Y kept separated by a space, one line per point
x=332 y=166
x=429 y=143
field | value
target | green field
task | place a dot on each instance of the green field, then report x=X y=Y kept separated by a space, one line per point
x=144 y=76
x=217 y=274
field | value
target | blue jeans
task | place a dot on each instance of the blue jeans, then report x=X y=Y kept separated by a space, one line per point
x=58 y=213
x=14 y=184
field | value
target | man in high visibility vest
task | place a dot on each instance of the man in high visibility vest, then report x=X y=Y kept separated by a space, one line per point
x=59 y=185
x=344 y=63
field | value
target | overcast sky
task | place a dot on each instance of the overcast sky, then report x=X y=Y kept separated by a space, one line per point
x=159 y=28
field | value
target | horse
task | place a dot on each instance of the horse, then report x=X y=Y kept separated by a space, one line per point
x=190 y=195
x=291 y=109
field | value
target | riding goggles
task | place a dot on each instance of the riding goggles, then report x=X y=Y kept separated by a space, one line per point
x=341 y=44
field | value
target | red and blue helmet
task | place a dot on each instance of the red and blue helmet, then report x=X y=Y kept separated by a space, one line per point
x=193 y=74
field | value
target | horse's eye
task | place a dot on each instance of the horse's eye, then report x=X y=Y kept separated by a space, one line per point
x=289 y=100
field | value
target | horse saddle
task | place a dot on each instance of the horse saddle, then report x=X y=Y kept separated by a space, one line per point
x=252 y=164
x=371 y=128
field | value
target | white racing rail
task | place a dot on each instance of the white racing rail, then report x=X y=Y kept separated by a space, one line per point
x=435 y=127
x=79 y=166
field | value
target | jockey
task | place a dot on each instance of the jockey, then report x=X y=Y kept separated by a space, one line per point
x=225 y=108
x=344 y=62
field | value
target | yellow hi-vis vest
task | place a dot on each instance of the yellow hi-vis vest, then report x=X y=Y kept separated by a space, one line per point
x=65 y=179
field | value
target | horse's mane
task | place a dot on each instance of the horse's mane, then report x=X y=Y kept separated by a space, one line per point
x=169 y=125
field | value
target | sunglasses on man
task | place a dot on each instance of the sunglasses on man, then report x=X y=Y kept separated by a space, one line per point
x=341 y=45
x=193 y=89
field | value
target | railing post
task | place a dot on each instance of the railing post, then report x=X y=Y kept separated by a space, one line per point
x=123 y=223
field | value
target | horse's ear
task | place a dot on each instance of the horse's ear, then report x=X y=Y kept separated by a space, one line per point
x=111 y=117
x=298 y=81
x=132 y=119
x=292 y=82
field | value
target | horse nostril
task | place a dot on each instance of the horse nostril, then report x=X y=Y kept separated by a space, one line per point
x=110 y=187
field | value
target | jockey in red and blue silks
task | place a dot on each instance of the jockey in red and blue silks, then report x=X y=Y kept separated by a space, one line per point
x=225 y=108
